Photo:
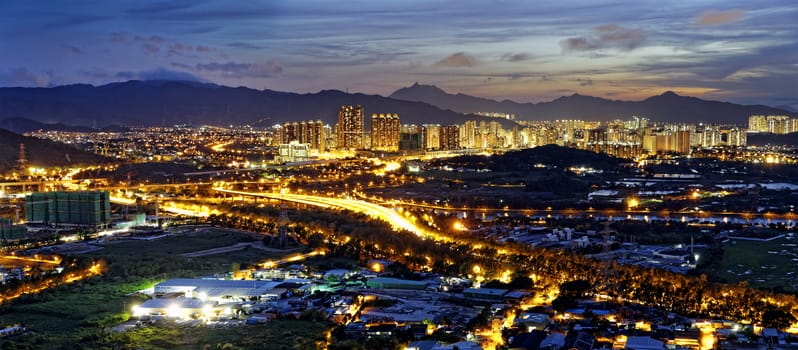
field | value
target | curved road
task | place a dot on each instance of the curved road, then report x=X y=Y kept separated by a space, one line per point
x=389 y=215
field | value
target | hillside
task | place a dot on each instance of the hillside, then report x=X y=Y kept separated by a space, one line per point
x=525 y=160
x=23 y=125
x=763 y=139
x=666 y=107
x=41 y=153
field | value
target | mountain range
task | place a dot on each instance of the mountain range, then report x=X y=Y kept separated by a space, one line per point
x=668 y=107
x=158 y=102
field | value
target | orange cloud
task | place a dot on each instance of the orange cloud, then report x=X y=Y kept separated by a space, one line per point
x=714 y=18
x=459 y=59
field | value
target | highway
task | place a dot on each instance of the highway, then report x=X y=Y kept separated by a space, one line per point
x=389 y=215
x=790 y=219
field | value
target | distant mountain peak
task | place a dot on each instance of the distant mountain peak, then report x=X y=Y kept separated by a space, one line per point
x=668 y=106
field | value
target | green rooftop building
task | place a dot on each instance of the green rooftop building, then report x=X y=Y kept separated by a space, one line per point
x=82 y=208
x=9 y=231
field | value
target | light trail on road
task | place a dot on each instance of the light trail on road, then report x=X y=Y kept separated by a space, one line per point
x=389 y=215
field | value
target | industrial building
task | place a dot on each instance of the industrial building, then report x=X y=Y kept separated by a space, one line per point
x=396 y=283
x=220 y=290
x=82 y=208
x=177 y=308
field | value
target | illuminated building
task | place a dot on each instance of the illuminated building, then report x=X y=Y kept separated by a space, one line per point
x=613 y=142
x=776 y=124
x=757 y=123
x=468 y=134
x=449 y=137
x=294 y=152
x=289 y=132
x=661 y=141
x=734 y=137
x=220 y=290
x=350 y=129
x=309 y=132
x=507 y=116
x=312 y=133
x=708 y=136
x=385 y=129
x=431 y=136
x=568 y=130
x=636 y=123
x=83 y=208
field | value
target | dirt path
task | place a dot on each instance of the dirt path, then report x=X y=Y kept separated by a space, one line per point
x=233 y=248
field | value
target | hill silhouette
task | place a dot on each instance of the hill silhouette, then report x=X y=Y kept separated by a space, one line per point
x=41 y=153
x=525 y=160
x=156 y=103
x=668 y=106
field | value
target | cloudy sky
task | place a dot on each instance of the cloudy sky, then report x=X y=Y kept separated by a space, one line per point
x=732 y=50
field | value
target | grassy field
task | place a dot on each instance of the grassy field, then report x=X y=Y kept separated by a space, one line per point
x=276 y=335
x=79 y=315
x=177 y=244
x=71 y=313
x=763 y=264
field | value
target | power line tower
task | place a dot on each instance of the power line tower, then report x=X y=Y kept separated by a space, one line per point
x=283 y=221
x=22 y=160
x=608 y=272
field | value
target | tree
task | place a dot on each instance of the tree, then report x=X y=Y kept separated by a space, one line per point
x=315 y=240
x=777 y=318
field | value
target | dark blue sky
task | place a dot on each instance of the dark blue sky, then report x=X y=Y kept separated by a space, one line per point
x=741 y=51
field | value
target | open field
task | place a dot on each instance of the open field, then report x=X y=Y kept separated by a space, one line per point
x=763 y=264
x=72 y=313
x=181 y=243
x=277 y=334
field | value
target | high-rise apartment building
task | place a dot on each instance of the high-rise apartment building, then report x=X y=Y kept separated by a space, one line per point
x=305 y=132
x=449 y=137
x=350 y=129
x=776 y=124
x=385 y=129
x=468 y=134
x=431 y=136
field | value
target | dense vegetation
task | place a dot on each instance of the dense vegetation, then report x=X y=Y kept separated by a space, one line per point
x=687 y=295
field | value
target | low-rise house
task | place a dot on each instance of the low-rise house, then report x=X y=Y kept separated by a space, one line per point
x=644 y=343
x=529 y=321
x=422 y=345
x=528 y=341
x=494 y=294
x=381 y=330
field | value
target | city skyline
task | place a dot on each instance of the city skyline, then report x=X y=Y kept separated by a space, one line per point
x=730 y=51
